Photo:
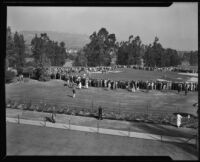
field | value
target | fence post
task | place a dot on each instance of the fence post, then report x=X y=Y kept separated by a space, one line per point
x=97 y=126
x=197 y=141
x=69 y=123
x=129 y=131
x=43 y=105
x=44 y=122
x=147 y=111
x=18 y=119
x=24 y=102
x=30 y=103
x=92 y=106
x=119 y=108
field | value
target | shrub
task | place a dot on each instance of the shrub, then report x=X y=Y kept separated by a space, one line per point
x=9 y=76
x=19 y=70
x=41 y=74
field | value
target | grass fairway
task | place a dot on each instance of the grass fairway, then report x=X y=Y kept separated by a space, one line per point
x=132 y=74
x=53 y=92
x=34 y=140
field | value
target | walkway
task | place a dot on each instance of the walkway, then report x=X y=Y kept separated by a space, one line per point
x=103 y=130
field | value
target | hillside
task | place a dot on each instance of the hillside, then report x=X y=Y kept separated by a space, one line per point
x=76 y=41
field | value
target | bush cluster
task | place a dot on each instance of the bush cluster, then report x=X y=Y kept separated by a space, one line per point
x=41 y=74
x=9 y=76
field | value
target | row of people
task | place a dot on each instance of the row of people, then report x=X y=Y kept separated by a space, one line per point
x=173 y=69
x=64 y=70
x=131 y=85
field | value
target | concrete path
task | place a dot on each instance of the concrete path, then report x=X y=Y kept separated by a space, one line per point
x=103 y=130
x=141 y=127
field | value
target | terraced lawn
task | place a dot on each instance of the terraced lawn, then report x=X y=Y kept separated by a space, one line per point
x=53 y=92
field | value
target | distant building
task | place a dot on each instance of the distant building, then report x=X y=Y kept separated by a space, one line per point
x=70 y=51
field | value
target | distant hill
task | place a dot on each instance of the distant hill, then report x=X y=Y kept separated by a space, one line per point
x=75 y=41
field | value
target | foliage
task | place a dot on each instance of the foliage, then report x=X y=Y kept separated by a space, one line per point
x=9 y=76
x=32 y=63
x=98 y=51
x=80 y=59
x=156 y=55
x=130 y=52
x=41 y=74
x=48 y=52
x=102 y=50
x=191 y=57
x=15 y=49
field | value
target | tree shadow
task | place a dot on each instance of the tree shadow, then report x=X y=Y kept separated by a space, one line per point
x=170 y=131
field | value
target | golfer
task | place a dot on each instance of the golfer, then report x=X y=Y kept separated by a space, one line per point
x=74 y=92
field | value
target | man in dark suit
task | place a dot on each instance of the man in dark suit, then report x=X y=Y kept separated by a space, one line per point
x=100 y=113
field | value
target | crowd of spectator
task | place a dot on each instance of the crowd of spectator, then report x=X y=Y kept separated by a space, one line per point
x=64 y=70
x=133 y=85
x=79 y=76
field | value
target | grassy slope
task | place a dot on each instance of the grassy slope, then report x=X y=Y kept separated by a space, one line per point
x=55 y=93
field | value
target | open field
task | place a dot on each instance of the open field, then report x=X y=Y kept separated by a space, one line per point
x=34 y=140
x=132 y=74
x=53 y=92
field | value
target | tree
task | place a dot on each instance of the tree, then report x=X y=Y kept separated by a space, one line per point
x=47 y=52
x=98 y=51
x=193 y=60
x=80 y=59
x=154 y=53
x=19 y=48
x=39 y=49
x=130 y=52
x=10 y=52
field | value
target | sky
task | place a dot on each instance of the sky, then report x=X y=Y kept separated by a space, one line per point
x=175 y=26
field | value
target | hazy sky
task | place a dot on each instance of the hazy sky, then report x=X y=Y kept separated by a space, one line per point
x=176 y=26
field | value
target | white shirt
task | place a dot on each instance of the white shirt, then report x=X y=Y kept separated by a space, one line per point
x=179 y=119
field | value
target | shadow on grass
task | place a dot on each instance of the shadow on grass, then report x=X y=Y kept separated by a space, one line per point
x=70 y=96
x=167 y=131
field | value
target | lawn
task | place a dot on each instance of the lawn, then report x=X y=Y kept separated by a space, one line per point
x=34 y=140
x=132 y=74
x=53 y=92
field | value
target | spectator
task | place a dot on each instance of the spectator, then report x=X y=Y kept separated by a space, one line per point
x=53 y=115
x=179 y=117
x=186 y=89
x=100 y=113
